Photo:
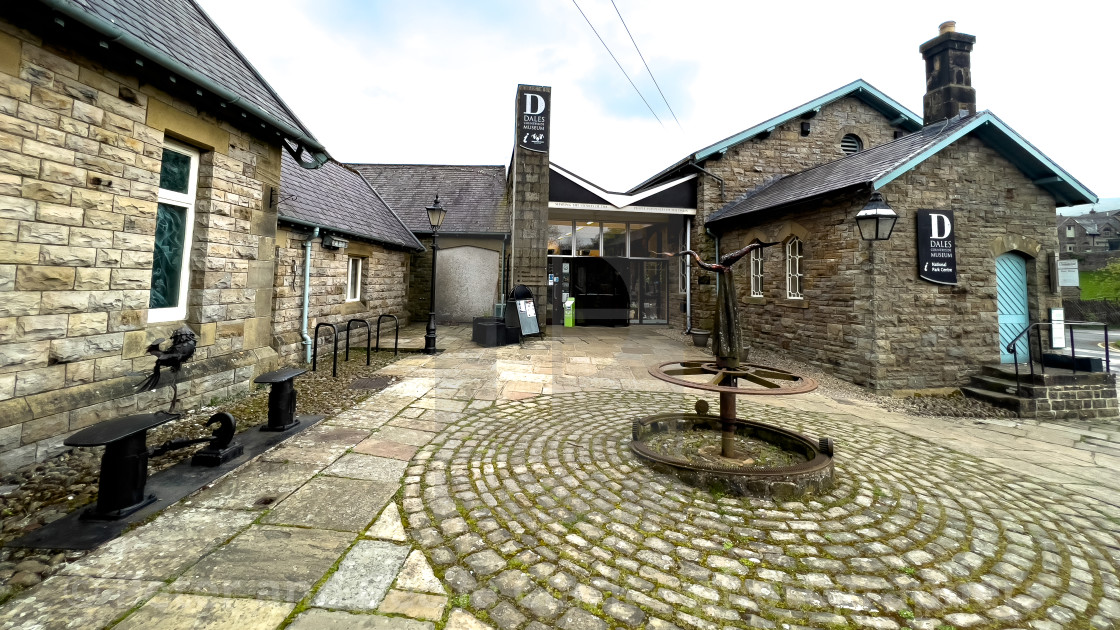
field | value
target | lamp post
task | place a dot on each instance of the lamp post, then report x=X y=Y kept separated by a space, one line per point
x=436 y=213
x=876 y=222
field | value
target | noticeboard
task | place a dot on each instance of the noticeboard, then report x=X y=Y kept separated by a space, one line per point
x=527 y=317
x=1068 y=275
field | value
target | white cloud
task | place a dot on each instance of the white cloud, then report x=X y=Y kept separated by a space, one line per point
x=434 y=82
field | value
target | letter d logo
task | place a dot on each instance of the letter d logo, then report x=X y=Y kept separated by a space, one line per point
x=534 y=104
x=939 y=221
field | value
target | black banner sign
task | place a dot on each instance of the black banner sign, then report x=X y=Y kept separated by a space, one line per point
x=937 y=248
x=532 y=120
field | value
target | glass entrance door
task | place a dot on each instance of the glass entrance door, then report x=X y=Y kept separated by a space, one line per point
x=648 y=300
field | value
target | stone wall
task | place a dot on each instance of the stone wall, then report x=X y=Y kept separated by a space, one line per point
x=866 y=317
x=757 y=161
x=385 y=274
x=80 y=156
x=420 y=273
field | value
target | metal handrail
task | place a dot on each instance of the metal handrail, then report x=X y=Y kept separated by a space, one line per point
x=368 y=331
x=315 y=349
x=1013 y=346
x=396 y=333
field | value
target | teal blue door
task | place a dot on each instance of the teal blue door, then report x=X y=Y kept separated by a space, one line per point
x=1011 y=298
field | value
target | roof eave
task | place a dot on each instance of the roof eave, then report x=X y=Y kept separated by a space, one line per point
x=118 y=35
x=858 y=88
x=419 y=247
x=1063 y=186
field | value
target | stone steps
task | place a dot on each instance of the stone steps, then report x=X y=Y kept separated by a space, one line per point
x=1056 y=395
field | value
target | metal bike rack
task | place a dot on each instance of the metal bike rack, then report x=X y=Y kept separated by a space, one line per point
x=315 y=348
x=368 y=331
x=396 y=333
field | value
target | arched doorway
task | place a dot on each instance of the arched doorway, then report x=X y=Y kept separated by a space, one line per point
x=1011 y=300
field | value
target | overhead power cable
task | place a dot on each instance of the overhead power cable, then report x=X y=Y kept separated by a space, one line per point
x=645 y=64
x=616 y=62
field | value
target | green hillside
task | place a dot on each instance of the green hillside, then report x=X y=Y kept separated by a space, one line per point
x=1103 y=284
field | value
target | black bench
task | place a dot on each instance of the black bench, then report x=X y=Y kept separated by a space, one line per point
x=124 y=465
x=281 y=398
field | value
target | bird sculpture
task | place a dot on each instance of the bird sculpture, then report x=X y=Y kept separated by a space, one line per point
x=183 y=342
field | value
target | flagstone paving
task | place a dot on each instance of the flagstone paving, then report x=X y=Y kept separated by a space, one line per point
x=494 y=488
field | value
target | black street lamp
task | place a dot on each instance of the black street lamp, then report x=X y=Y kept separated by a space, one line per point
x=436 y=213
x=876 y=220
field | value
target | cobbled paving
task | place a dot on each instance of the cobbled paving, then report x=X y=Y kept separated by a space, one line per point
x=536 y=515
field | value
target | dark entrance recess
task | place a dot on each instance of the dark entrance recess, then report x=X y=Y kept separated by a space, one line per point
x=609 y=291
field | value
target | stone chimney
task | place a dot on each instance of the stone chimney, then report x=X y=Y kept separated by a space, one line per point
x=949 y=90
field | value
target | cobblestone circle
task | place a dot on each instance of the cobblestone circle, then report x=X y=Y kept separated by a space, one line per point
x=536 y=515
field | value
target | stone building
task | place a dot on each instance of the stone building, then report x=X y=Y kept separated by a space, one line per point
x=136 y=145
x=1090 y=233
x=474 y=239
x=867 y=310
x=336 y=232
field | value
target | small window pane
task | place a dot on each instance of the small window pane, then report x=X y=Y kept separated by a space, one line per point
x=167 y=263
x=614 y=239
x=354 y=287
x=756 y=272
x=587 y=239
x=648 y=239
x=559 y=238
x=175 y=172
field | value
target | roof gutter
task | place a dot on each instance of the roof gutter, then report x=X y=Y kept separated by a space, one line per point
x=316 y=227
x=712 y=175
x=318 y=153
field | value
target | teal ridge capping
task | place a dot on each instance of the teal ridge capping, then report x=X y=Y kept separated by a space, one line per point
x=858 y=88
x=118 y=35
x=1072 y=192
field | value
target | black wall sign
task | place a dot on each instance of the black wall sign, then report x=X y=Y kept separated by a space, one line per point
x=937 y=246
x=532 y=120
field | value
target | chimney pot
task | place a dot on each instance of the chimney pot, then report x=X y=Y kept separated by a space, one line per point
x=947 y=27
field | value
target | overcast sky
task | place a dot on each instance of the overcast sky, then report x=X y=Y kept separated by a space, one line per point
x=434 y=81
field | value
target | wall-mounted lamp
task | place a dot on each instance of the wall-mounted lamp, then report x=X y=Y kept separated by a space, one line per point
x=876 y=220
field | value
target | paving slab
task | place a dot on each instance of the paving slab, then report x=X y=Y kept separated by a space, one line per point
x=415 y=605
x=318 y=619
x=258 y=486
x=386 y=448
x=334 y=503
x=75 y=602
x=368 y=467
x=180 y=611
x=460 y=619
x=163 y=548
x=278 y=563
x=404 y=436
x=416 y=575
x=363 y=577
x=388 y=526
x=319 y=445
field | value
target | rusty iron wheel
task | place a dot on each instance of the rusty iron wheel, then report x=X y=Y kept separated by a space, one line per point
x=748 y=378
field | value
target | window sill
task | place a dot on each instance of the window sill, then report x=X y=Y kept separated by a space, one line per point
x=755 y=300
x=795 y=303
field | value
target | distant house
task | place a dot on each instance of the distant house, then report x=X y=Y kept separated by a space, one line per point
x=1090 y=228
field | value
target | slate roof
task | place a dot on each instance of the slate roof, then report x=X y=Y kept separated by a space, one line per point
x=878 y=166
x=182 y=31
x=474 y=196
x=339 y=199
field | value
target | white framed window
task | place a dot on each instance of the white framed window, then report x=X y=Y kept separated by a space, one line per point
x=354 y=279
x=178 y=187
x=795 y=275
x=1069 y=231
x=756 y=272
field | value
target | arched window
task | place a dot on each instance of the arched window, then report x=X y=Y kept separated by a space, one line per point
x=756 y=272
x=795 y=274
